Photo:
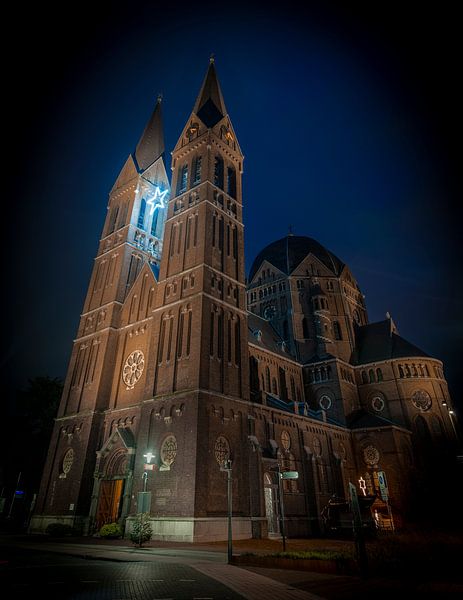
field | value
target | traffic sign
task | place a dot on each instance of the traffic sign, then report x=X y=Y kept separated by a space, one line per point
x=290 y=475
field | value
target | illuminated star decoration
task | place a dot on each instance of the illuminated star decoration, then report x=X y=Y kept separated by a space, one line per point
x=157 y=199
x=362 y=484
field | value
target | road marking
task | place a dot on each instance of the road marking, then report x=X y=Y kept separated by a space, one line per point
x=187 y=579
x=155 y=579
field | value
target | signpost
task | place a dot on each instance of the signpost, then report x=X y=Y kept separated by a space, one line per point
x=227 y=467
x=358 y=531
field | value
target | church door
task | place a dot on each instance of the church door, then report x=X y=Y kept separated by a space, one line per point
x=109 y=501
x=271 y=505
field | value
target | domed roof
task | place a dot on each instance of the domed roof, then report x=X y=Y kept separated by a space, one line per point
x=286 y=254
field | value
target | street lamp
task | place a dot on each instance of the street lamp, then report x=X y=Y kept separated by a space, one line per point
x=227 y=466
x=148 y=467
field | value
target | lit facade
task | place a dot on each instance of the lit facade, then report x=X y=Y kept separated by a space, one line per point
x=178 y=355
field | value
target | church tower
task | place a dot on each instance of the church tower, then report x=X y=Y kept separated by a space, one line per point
x=202 y=266
x=131 y=238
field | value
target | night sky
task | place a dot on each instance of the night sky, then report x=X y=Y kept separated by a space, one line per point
x=349 y=121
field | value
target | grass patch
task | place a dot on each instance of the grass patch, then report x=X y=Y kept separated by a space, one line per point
x=313 y=555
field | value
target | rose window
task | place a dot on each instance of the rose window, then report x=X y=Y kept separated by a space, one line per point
x=422 y=400
x=133 y=368
x=221 y=450
x=68 y=459
x=325 y=402
x=169 y=450
x=371 y=455
x=285 y=440
x=377 y=403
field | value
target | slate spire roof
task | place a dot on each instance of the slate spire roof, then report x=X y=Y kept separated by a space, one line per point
x=210 y=106
x=151 y=144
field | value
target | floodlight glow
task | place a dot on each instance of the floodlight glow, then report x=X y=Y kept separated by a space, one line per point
x=148 y=456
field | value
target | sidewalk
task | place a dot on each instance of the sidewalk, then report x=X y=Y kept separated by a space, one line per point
x=253 y=583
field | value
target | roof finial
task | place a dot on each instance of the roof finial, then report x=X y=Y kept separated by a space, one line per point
x=212 y=58
x=160 y=97
x=290 y=230
x=388 y=315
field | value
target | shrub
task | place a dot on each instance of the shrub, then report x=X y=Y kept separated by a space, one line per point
x=111 y=531
x=59 y=530
x=141 y=529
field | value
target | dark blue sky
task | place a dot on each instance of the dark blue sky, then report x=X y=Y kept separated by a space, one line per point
x=348 y=120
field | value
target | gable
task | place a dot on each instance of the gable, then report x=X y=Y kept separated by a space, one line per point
x=141 y=298
x=127 y=174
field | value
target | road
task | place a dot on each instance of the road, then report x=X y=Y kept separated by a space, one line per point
x=29 y=573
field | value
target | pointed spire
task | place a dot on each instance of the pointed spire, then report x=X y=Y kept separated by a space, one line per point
x=210 y=106
x=151 y=144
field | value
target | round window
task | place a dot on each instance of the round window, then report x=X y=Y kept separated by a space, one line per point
x=68 y=459
x=221 y=450
x=133 y=368
x=325 y=402
x=285 y=440
x=377 y=403
x=421 y=400
x=169 y=450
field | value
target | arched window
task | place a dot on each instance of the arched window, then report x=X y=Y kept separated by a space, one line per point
x=197 y=171
x=379 y=374
x=305 y=328
x=220 y=334
x=211 y=339
x=371 y=376
x=231 y=182
x=293 y=388
x=188 y=333
x=182 y=182
x=316 y=304
x=262 y=381
x=356 y=316
x=218 y=172
x=141 y=214
x=364 y=377
x=401 y=371
x=337 y=330
x=235 y=242
x=112 y=219
x=285 y=330
x=154 y=222
x=180 y=335
x=267 y=379
x=274 y=386
x=237 y=341
x=426 y=370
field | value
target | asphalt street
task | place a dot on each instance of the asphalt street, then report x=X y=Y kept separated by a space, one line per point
x=30 y=574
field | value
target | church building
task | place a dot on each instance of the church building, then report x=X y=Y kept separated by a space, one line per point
x=181 y=366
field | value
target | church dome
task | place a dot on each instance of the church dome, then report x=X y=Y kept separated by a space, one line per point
x=286 y=254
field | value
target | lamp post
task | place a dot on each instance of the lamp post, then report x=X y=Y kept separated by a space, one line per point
x=227 y=466
x=282 y=507
x=144 y=497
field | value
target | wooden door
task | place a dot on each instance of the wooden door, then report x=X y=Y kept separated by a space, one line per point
x=109 y=501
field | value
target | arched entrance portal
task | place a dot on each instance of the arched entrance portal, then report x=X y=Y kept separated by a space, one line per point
x=113 y=479
x=111 y=489
x=271 y=505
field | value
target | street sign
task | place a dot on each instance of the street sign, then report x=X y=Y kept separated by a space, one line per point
x=290 y=475
x=149 y=467
x=383 y=489
x=19 y=493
